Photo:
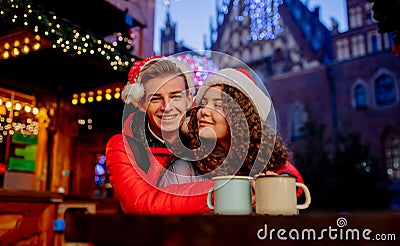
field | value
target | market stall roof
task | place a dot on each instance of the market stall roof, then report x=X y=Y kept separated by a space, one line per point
x=52 y=70
x=98 y=16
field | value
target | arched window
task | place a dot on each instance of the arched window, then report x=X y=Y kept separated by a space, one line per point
x=360 y=96
x=278 y=63
x=278 y=55
x=374 y=44
x=392 y=158
x=298 y=120
x=384 y=90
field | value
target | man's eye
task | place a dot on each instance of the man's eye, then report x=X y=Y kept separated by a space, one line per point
x=155 y=99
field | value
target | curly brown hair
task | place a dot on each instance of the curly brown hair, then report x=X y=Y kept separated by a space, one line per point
x=252 y=141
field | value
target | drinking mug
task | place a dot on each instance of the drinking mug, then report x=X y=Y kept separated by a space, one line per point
x=232 y=195
x=276 y=195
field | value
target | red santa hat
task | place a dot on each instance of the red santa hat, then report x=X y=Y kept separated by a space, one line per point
x=242 y=81
x=134 y=89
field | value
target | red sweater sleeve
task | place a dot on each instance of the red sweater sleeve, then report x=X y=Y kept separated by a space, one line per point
x=137 y=196
x=290 y=169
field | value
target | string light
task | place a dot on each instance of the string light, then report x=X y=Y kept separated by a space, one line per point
x=35 y=111
x=62 y=33
x=27 y=109
x=99 y=97
x=8 y=104
x=117 y=94
x=88 y=122
x=200 y=65
x=75 y=99
x=90 y=97
x=17 y=113
x=108 y=95
x=263 y=15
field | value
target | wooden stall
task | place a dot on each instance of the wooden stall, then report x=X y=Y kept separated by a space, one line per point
x=40 y=71
x=38 y=218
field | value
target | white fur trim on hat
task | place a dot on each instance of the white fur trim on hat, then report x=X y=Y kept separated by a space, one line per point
x=239 y=80
x=132 y=93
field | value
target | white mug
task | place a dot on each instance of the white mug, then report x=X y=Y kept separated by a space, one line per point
x=232 y=195
x=276 y=195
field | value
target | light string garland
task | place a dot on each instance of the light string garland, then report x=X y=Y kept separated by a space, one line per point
x=64 y=34
x=98 y=96
x=201 y=66
x=18 y=43
x=263 y=14
x=18 y=113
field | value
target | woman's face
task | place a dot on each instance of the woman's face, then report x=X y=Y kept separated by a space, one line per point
x=210 y=116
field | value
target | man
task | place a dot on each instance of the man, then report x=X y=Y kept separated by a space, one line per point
x=161 y=88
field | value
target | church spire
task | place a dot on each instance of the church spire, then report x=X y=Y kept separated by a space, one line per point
x=168 y=20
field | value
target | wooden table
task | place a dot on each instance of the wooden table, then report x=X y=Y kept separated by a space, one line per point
x=311 y=229
x=37 y=218
x=27 y=217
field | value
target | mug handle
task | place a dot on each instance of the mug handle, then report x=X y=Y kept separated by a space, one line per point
x=308 y=196
x=209 y=198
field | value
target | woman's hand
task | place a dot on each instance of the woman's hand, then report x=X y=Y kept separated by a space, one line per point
x=253 y=186
x=267 y=173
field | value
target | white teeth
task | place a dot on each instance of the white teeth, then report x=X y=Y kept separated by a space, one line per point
x=168 y=117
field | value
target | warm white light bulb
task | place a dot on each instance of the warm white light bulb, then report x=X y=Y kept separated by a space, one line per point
x=35 y=111
x=18 y=106
x=8 y=104
x=27 y=109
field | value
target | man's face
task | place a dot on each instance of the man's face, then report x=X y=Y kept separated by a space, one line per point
x=166 y=102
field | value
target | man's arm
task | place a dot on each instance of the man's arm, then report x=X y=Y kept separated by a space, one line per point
x=138 y=196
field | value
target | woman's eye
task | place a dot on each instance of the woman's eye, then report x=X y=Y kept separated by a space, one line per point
x=202 y=104
x=177 y=96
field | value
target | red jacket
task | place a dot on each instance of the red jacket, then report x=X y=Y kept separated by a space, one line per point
x=288 y=168
x=136 y=189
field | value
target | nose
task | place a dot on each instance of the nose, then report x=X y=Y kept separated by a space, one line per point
x=165 y=104
x=205 y=111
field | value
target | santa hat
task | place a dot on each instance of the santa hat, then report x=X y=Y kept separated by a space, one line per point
x=134 y=89
x=244 y=82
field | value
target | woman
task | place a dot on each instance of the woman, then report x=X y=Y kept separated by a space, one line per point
x=229 y=134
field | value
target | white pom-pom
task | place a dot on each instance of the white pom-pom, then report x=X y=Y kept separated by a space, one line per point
x=132 y=93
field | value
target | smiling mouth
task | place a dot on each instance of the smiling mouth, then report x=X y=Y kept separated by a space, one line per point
x=168 y=117
x=204 y=123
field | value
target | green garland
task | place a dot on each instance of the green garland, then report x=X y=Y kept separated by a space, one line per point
x=63 y=34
